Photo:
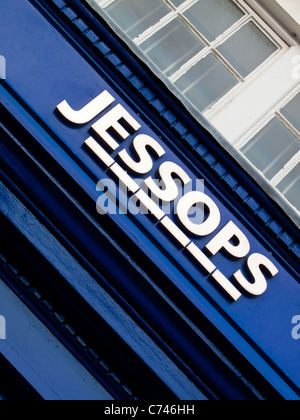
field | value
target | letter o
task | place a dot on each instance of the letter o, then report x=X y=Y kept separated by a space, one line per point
x=206 y=227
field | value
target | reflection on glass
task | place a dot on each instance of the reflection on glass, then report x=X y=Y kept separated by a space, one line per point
x=290 y=187
x=172 y=46
x=272 y=148
x=213 y=17
x=292 y=112
x=247 y=49
x=135 y=16
x=206 y=82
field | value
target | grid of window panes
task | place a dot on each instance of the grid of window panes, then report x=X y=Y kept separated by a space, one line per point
x=275 y=151
x=205 y=47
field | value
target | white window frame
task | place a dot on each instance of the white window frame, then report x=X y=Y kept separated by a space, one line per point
x=276 y=113
x=261 y=77
x=285 y=93
x=210 y=47
x=244 y=110
x=281 y=15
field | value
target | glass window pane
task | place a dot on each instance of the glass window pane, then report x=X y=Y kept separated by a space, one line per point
x=290 y=187
x=247 y=49
x=272 y=148
x=213 y=17
x=135 y=16
x=172 y=46
x=178 y=3
x=292 y=111
x=206 y=82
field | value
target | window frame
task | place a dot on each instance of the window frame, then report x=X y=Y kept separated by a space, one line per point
x=276 y=113
x=210 y=47
x=203 y=118
x=281 y=16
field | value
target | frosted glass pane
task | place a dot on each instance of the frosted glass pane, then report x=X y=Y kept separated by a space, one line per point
x=290 y=187
x=172 y=46
x=247 y=49
x=206 y=82
x=272 y=148
x=213 y=17
x=292 y=111
x=135 y=16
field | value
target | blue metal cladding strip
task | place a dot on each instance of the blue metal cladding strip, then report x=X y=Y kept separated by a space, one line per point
x=49 y=79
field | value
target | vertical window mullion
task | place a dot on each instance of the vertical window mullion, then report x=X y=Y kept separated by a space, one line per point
x=289 y=167
x=229 y=67
x=290 y=186
x=211 y=47
x=295 y=160
x=273 y=148
x=287 y=124
x=174 y=12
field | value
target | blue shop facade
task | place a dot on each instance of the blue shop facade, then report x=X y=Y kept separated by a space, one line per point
x=194 y=296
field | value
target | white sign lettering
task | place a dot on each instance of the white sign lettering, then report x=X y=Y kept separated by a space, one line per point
x=108 y=132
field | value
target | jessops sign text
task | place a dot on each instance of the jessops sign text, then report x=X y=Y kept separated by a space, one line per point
x=116 y=125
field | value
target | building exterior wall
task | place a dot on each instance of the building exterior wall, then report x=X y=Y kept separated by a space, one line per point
x=151 y=305
x=241 y=92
